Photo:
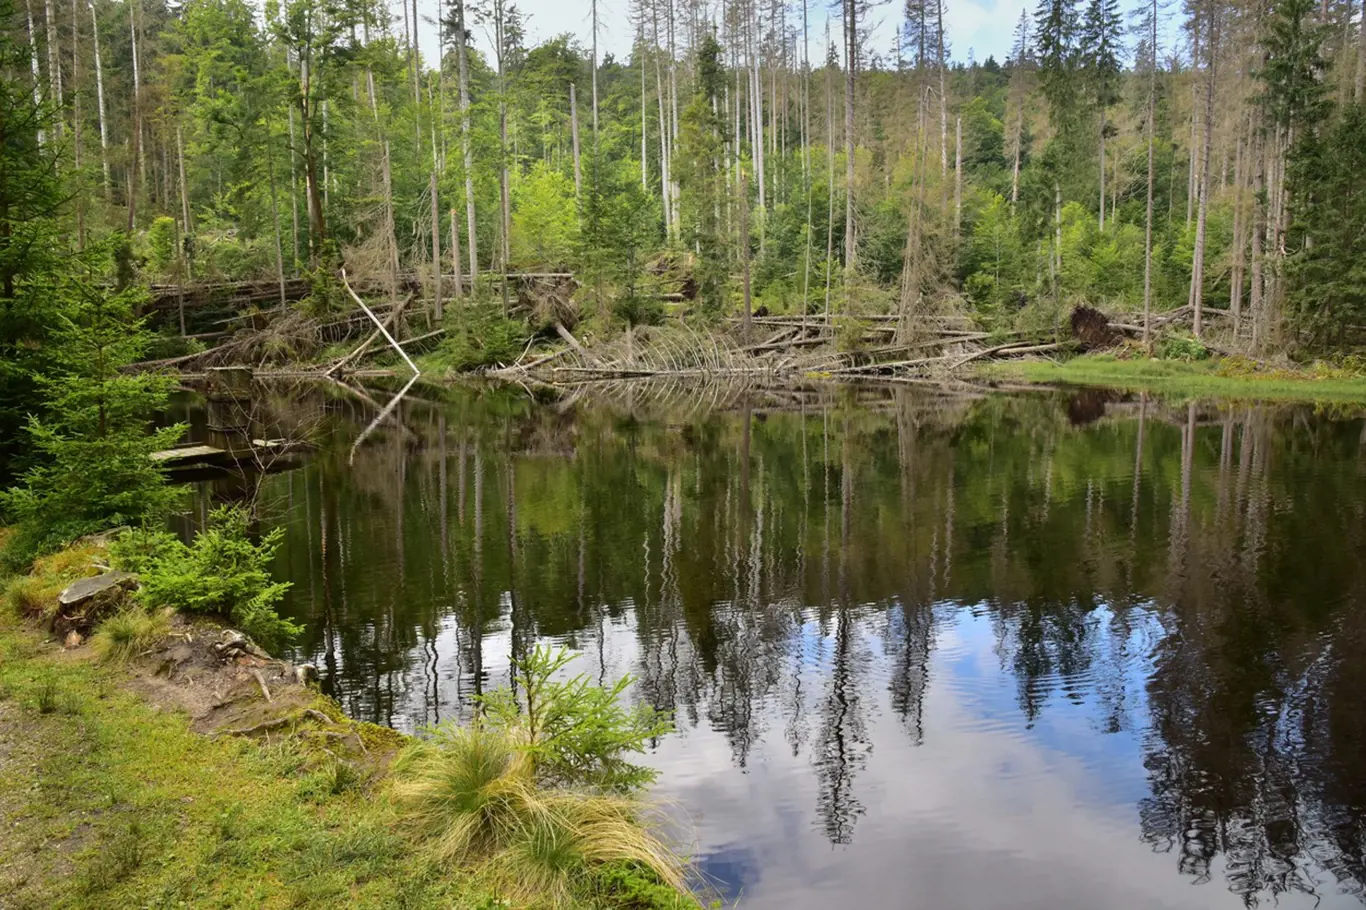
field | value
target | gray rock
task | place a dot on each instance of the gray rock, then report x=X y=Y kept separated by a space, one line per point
x=306 y=673
x=85 y=590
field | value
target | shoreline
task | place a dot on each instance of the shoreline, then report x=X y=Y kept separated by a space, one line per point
x=1198 y=379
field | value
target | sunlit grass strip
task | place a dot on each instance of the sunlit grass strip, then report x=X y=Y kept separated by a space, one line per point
x=1179 y=378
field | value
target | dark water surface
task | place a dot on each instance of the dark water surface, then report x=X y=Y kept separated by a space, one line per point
x=924 y=650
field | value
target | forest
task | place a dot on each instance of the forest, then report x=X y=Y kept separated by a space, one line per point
x=746 y=160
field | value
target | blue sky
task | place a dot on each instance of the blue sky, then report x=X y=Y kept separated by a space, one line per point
x=984 y=26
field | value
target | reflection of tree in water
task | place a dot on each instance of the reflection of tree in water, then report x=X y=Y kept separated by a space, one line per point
x=841 y=745
x=754 y=567
x=910 y=636
x=1258 y=734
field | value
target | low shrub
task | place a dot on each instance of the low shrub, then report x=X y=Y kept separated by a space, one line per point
x=221 y=572
x=478 y=336
x=576 y=734
x=1181 y=346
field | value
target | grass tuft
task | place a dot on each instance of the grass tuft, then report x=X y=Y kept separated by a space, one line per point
x=126 y=634
x=470 y=797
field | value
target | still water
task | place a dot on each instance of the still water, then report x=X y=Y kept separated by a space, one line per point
x=924 y=650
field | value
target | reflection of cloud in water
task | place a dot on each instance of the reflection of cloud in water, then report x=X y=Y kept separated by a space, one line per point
x=984 y=813
x=922 y=652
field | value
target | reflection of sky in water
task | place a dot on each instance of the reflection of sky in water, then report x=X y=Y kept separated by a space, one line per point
x=987 y=812
x=1010 y=746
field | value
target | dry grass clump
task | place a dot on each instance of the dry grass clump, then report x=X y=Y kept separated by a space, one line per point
x=126 y=634
x=35 y=594
x=470 y=796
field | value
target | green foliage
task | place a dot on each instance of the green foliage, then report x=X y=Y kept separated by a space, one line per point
x=1181 y=346
x=545 y=225
x=1327 y=277
x=92 y=471
x=220 y=572
x=478 y=336
x=162 y=254
x=575 y=733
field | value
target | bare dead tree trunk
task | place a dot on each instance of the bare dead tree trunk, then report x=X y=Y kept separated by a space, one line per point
x=275 y=211
x=595 y=77
x=462 y=61
x=644 y=140
x=851 y=40
x=958 y=181
x=830 y=175
x=1257 y=301
x=54 y=62
x=135 y=156
x=33 y=64
x=574 y=132
x=1235 y=296
x=99 y=99
x=1198 y=259
x=744 y=250
x=437 y=306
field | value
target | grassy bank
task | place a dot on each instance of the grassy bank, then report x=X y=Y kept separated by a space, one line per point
x=109 y=803
x=1224 y=378
x=160 y=775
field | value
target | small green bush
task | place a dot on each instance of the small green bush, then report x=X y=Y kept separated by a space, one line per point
x=576 y=733
x=1181 y=346
x=478 y=336
x=221 y=572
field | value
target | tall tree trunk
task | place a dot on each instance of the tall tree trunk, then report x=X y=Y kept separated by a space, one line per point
x=943 y=95
x=574 y=131
x=1359 y=86
x=1148 y=221
x=99 y=98
x=851 y=40
x=54 y=62
x=664 y=177
x=644 y=141
x=462 y=62
x=830 y=176
x=459 y=280
x=958 y=181
x=317 y=230
x=76 y=145
x=1102 y=168
x=1256 y=301
x=33 y=64
x=135 y=153
x=1015 y=166
x=744 y=251
x=275 y=211
x=184 y=209
x=1198 y=259
x=1235 y=296
x=594 y=4
x=437 y=305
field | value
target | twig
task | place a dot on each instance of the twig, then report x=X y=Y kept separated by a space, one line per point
x=261 y=681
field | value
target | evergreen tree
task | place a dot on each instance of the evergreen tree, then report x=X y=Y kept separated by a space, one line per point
x=701 y=176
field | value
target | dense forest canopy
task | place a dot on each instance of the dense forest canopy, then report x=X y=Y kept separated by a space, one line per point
x=1126 y=158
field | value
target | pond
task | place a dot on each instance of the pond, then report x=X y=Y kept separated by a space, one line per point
x=923 y=648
